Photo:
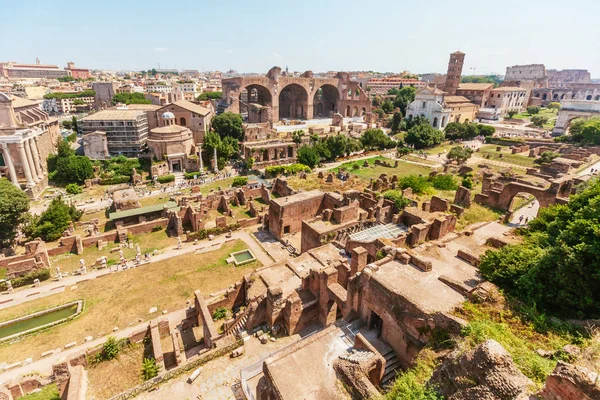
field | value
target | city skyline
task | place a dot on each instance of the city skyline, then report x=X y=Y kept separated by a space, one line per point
x=254 y=36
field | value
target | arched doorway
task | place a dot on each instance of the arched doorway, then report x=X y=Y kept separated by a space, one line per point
x=325 y=101
x=182 y=121
x=293 y=102
x=254 y=99
x=523 y=208
x=355 y=113
x=348 y=112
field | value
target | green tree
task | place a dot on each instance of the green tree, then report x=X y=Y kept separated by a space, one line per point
x=250 y=163
x=424 y=135
x=74 y=124
x=228 y=124
x=67 y=124
x=387 y=106
x=210 y=96
x=539 y=120
x=308 y=156
x=52 y=223
x=546 y=157
x=376 y=139
x=73 y=169
x=398 y=123
x=130 y=98
x=14 y=203
x=399 y=200
x=512 y=113
x=459 y=153
x=73 y=188
x=297 y=137
x=226 y=147
x=532 y=110
x=486 y=130
x=554 y=106
x=405 y=96
x=590 y=131
x=454 y=130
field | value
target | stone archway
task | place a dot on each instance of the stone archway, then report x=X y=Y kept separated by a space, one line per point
x=293 y=102
x=255 y=102
x=325 y=101
x=523 y=208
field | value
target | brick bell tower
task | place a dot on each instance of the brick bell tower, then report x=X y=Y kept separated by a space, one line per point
x=455 y=66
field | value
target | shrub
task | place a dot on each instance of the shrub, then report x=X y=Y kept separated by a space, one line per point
x=419 y=184
x=292 y=169
x=546 y=157
x=166 y=178
x=444 y=182
x=239 y=181
x=308 y=156
x=220 y=313
x=157 y=228
x=203 y=233
x=532 y=110
x=355 y=166
x=149 y=368
x=115 y=180
x=539 y=120
x=73 y=188
x=72 y=137
x=400 y=201
x=467 y=182
x=191 y=175
x=459 y=153
x=110 y=350
x=42 y=275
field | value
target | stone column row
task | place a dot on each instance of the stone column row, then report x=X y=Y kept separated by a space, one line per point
x=25 y=163
x=11 y=167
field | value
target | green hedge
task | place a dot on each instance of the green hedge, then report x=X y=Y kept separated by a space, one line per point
x=203 y=233
x=190 y=175
x=166 y=179
x=42 y=275
x=239 y=181
x=115 y=180
x=293 y=169
x=504 y=141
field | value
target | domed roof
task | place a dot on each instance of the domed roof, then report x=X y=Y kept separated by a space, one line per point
x=168 y=115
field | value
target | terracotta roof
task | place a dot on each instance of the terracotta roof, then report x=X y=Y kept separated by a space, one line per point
x=193 y=107
x=456 y=99
x=474 y=86
x=433 y=90
x=169 y=129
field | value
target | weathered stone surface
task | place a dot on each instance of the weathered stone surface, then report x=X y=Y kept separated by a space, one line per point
x=487 y=372
x=569 y=382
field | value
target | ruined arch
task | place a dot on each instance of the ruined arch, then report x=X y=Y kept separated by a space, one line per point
x=435 y=122
x=355 y=112
x=562 y=97
x=293 y=102
x=254 y=99
x=588 y=97
x=597 y=97
x=348 y=112
x=545 y=96
x=523 y=207
x=325 y=101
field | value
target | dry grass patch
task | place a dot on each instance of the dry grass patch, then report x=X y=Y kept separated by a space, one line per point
x=148 y=242
x=476 y=213
x=123 y=298
x=109 y=378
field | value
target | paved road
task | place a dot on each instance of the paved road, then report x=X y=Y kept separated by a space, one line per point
x=523 y=214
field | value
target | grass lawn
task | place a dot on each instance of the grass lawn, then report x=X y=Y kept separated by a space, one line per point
x=148 y=243
x=154 y=200
x=476 y=213
x=507 y=157
x=110 y=378
x=224 y=184
x=544 y=112
x=374 y=171
x=121 y=299
x=49 y=392
x=415 y=158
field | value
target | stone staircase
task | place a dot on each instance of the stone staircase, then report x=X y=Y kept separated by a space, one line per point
x=179 y=177
x=239 y=325
x=391 y=366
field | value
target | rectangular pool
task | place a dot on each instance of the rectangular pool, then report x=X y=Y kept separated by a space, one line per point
x=36 y=321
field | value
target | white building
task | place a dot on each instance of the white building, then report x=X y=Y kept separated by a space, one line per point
x=508 y=98
x=429 y=103
x=158 y=87
x=190 y=90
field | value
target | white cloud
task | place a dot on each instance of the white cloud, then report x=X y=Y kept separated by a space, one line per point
x=277 y=55
x=229 y=51
x=160 y=49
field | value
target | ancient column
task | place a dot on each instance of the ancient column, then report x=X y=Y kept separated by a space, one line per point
x=35 y=145
x=30 y=161
x=200 y=155
x=35 y=158
x=25 y=165
x=11 y=167
x=215 y=160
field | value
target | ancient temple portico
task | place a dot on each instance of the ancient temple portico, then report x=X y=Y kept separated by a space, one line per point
x=27 y=137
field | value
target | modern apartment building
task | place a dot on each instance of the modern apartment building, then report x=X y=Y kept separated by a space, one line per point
x=126 y=130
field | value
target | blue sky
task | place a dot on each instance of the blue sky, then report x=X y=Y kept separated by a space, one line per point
x=252 y=36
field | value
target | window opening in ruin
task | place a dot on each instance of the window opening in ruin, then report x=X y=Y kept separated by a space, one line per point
x=376 y=323
x=286 y=229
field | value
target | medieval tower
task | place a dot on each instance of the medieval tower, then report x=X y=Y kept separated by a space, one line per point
x=455 y=66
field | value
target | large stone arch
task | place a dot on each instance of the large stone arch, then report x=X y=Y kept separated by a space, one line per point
x=503 y=198
x=325 y=100
x=257 y=102
x=293 y=102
